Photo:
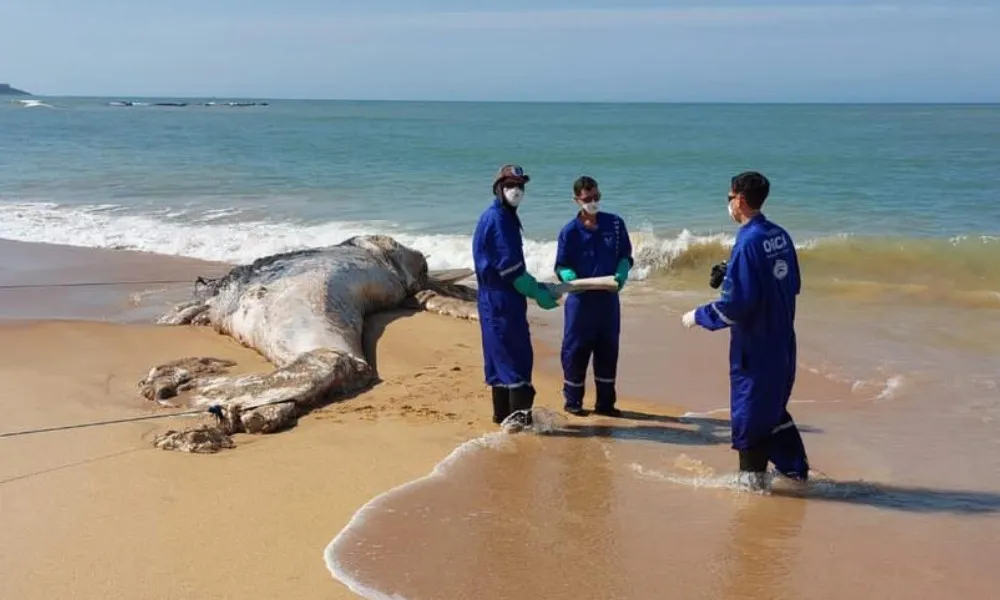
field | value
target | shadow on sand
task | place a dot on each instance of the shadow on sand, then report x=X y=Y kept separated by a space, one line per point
x=668 y=429
x=703 y=436
x=701 y=421
x=374 y=328
x=712 y=431
x=895 y=497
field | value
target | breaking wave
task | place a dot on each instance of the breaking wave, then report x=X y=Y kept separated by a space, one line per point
x=848 y=264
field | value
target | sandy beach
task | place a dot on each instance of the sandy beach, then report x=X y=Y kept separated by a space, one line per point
x=98 y=512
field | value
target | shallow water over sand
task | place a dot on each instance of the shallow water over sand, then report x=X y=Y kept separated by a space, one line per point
x=596 y=515
x=902 y=427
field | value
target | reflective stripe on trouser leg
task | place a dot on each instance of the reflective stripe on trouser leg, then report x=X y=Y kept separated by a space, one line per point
x=575 y=376
x=506 y=339
x=605 y=370
x=573 y=393
x=787 y=451
x=574 y=360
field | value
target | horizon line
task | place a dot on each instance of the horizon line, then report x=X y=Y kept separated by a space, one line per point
x=468 y=101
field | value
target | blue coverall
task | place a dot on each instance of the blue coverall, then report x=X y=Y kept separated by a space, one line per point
x=592 y=322
x=497 y=251
x=757 y=303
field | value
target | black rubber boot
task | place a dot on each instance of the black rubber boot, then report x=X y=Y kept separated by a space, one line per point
x=501 y=403
x=523 y=399
x=606 y=398
x=753 y=466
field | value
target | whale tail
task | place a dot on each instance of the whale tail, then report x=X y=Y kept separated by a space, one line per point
x=255 y=403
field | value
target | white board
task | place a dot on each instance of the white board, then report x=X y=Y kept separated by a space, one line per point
x=607 y=284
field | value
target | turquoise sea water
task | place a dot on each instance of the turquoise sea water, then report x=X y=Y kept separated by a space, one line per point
x=195 y=179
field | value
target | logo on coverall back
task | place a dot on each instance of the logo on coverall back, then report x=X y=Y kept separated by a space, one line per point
x=780 y=269
x=773 y=246
x=776 y=244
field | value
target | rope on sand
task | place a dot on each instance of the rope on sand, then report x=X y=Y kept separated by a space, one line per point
x=90 y=284
x=214 y=409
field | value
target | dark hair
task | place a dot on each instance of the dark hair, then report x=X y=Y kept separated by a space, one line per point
x=754 y=187
x=583 y=183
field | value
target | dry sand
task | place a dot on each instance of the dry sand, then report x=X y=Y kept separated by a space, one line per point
x=99 y=513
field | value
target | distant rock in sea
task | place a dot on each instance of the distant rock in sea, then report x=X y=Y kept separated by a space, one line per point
x=7 y=90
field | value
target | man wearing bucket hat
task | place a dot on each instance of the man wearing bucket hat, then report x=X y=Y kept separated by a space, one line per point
x=504 y=285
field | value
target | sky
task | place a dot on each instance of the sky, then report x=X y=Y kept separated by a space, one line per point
x=518 y=50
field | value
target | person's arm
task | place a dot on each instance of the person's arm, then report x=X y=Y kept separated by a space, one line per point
x=507 y=257
x=504 y=251
x=564 y=253
x=625 y=260
x=739 y=295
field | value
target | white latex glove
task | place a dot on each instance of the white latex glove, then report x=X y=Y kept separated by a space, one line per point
x=688 y=319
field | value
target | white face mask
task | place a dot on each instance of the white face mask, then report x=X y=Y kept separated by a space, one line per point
x=732 y=213
x=590 y=208
x=513 y=195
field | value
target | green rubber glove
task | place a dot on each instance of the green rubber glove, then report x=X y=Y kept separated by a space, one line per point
x=566 y=274
x=621 y=275
x=527 y=285
x=545 y=299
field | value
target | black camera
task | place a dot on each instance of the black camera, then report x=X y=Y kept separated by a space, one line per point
x=718 y=274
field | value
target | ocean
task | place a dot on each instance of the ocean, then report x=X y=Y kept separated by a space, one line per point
x=896 y=218
x=880 y=185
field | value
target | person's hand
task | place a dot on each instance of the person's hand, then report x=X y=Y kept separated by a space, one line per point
x=717 y=275
x=567 y=275
x=621 y=274
x=688 y=319
x=545 y=299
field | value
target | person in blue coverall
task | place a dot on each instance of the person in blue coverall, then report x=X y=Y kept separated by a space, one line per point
x=757 y=304
x=504 y=285
x=594 y=244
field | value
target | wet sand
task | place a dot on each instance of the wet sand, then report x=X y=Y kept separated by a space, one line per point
x=567 y=518
x=602 y=508
x=904 y=502
x=30 y=270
